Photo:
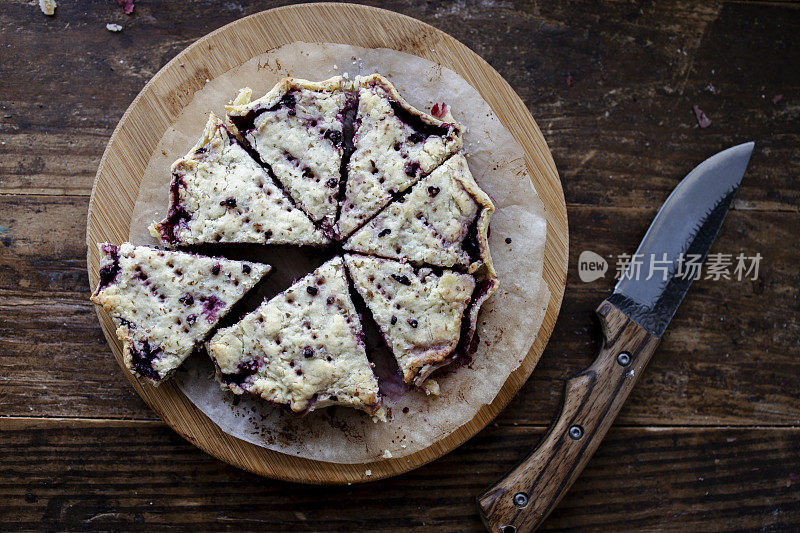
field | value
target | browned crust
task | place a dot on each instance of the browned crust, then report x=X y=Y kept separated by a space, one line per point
x=244 y=103
x=372 y=404
x=484 y=267
x=214 y=128
x=377 y=80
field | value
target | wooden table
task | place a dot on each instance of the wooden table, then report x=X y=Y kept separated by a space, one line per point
x=710 y=438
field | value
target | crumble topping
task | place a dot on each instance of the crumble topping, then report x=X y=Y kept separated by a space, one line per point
x=434 y=224
x=418 y=312
x=219 y=193
x=297 y=130
x=394 y=146
x=304 y=348
x=165 y=302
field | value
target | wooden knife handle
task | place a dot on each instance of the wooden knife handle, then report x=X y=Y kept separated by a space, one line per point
x=592 y=399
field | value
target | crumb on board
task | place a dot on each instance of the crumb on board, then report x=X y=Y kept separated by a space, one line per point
x=431 y=386
x=387 y=454
x=48 y=7
x=114 y=28
x=368 y=473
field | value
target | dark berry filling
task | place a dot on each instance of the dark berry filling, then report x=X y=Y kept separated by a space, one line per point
x=308 y=352
x=413 y=323
x=186 y=299
x=229 y=202
x=246 y=123
x=312 y=290
x=246 y=269
x=393 y=320
x=470 y=243
x=334 y=136
x=384 y=232
x=142 y=358
x=412 y=169
x=108 y=273
x=416 y=122
x=433 y=191
x=348 y=119
x=401 y=279
x=468 y=343
x=245 y=369
x=215 y=269
x=177 y=214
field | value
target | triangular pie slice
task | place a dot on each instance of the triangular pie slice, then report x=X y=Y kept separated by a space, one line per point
x=298 y=131
x=419 y=312
x=219 y=193
x=394 y=146
x=165 y=302
x=304 y=348
x=442 y=221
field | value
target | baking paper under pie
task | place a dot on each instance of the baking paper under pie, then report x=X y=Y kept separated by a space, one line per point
x=508 y=322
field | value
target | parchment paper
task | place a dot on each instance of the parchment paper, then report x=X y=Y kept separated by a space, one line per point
x=509 y=320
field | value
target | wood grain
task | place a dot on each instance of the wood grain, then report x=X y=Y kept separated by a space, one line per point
x=100 y=475
x=171 y=89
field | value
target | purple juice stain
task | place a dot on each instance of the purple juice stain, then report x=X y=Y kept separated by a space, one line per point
x=211 y=307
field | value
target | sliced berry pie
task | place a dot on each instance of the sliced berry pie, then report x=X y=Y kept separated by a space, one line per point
x=219 y=193
x=304 y=348
x=165 y=302
x=442 y=221
x=298 y=131
x=394 y=146
x=419 y=312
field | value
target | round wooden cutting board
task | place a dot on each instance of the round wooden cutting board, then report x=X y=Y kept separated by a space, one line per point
x=171 y=89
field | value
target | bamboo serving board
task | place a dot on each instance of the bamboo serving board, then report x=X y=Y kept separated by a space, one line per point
x=162 y=99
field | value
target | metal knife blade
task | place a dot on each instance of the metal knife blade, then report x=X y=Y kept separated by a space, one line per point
x=685 y=227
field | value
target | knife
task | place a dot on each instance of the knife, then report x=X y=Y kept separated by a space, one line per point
x=633 y=319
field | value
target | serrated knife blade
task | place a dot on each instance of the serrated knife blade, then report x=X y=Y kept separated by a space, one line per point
x=685 y=226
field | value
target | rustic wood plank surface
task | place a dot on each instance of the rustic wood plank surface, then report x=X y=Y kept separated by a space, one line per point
x=708 y=439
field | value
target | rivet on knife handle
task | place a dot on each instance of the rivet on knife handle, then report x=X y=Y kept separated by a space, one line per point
x=592 y=400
